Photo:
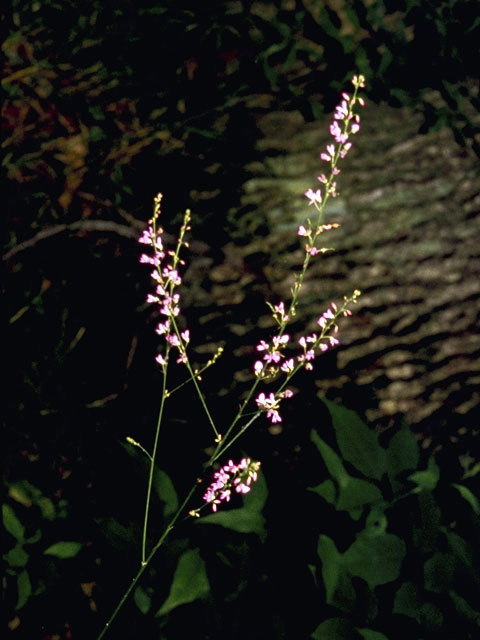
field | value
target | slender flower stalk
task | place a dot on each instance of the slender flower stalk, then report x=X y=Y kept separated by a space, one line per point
x=345 y=124
x=278 y=359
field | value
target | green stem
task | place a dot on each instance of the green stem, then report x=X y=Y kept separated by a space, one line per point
x=146 y=562
x=193 y=376
x=152 y=463
x=220 y=452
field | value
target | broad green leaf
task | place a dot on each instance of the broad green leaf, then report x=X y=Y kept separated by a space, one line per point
x=370 y=634
x=428 y=478
x=353 y=492
x=166 y=492
x=325 y=490
x=16 y=557
x=255 y=500
x=460 y=547
x=242 y=520
x=438 y=572
x=356 y=493
x=63 y=550
x=332 y=461
x=402 y=452
x=142 y=600
x=375 y=559
x=464 y=609
x=24 y=588
x=330 y=557
x=12 y=524
x=358 y=443
x=468 y=496
x=189 y=583
x=430 y=617
x=406 y=600
x=336 y=629
x=338 y=586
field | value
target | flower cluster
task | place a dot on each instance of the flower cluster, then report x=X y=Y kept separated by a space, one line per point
x=167 y=279
x=322 y=341
x=344 y=113
x=274 y=360
x=271 y=404
x=231 y=477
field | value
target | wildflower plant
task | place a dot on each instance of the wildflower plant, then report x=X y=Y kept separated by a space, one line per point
x=277 y=361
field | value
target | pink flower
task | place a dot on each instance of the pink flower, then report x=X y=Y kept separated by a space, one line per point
x=238 y=476
x=258 y=367
x=272 y=357
x=314 y=196
x=266 y=403
x=288 y=366
x=274 y=416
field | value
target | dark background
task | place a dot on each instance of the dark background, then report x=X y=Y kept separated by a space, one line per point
x=105 y=104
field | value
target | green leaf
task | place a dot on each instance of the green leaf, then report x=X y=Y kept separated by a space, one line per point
x=335 y=629
x=464 y=609
x=460 y=547
x=428 y=478
x=325 y=490
x=255 y=500
x=47 y=508
x=35 y=538
x=246 y=519
x=166 y=492
x=356 y=493
x=332 y=461
x=353 y=492
x=330 y=557
x=402 y=453
x=24 y=588
x=242 y=520
x=370 y=634
x=472 y=472
x=430 y=617
x=376 y=523
x=438 y=572
x=338 y=586
x=375 y=559
x=406 y=600
x=189 y=583
x=63 y=550
x=142 y=600
x=12 y=524
x=468 y=496
x=358 y=443
x=16 y=557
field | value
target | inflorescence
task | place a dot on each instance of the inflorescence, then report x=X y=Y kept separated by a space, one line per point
x=274 y=360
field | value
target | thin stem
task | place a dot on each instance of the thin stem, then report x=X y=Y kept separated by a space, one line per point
x=147 y=561
x=220 y=452
x=152 y=463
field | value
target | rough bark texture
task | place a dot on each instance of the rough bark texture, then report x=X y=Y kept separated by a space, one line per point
x=409 y=209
